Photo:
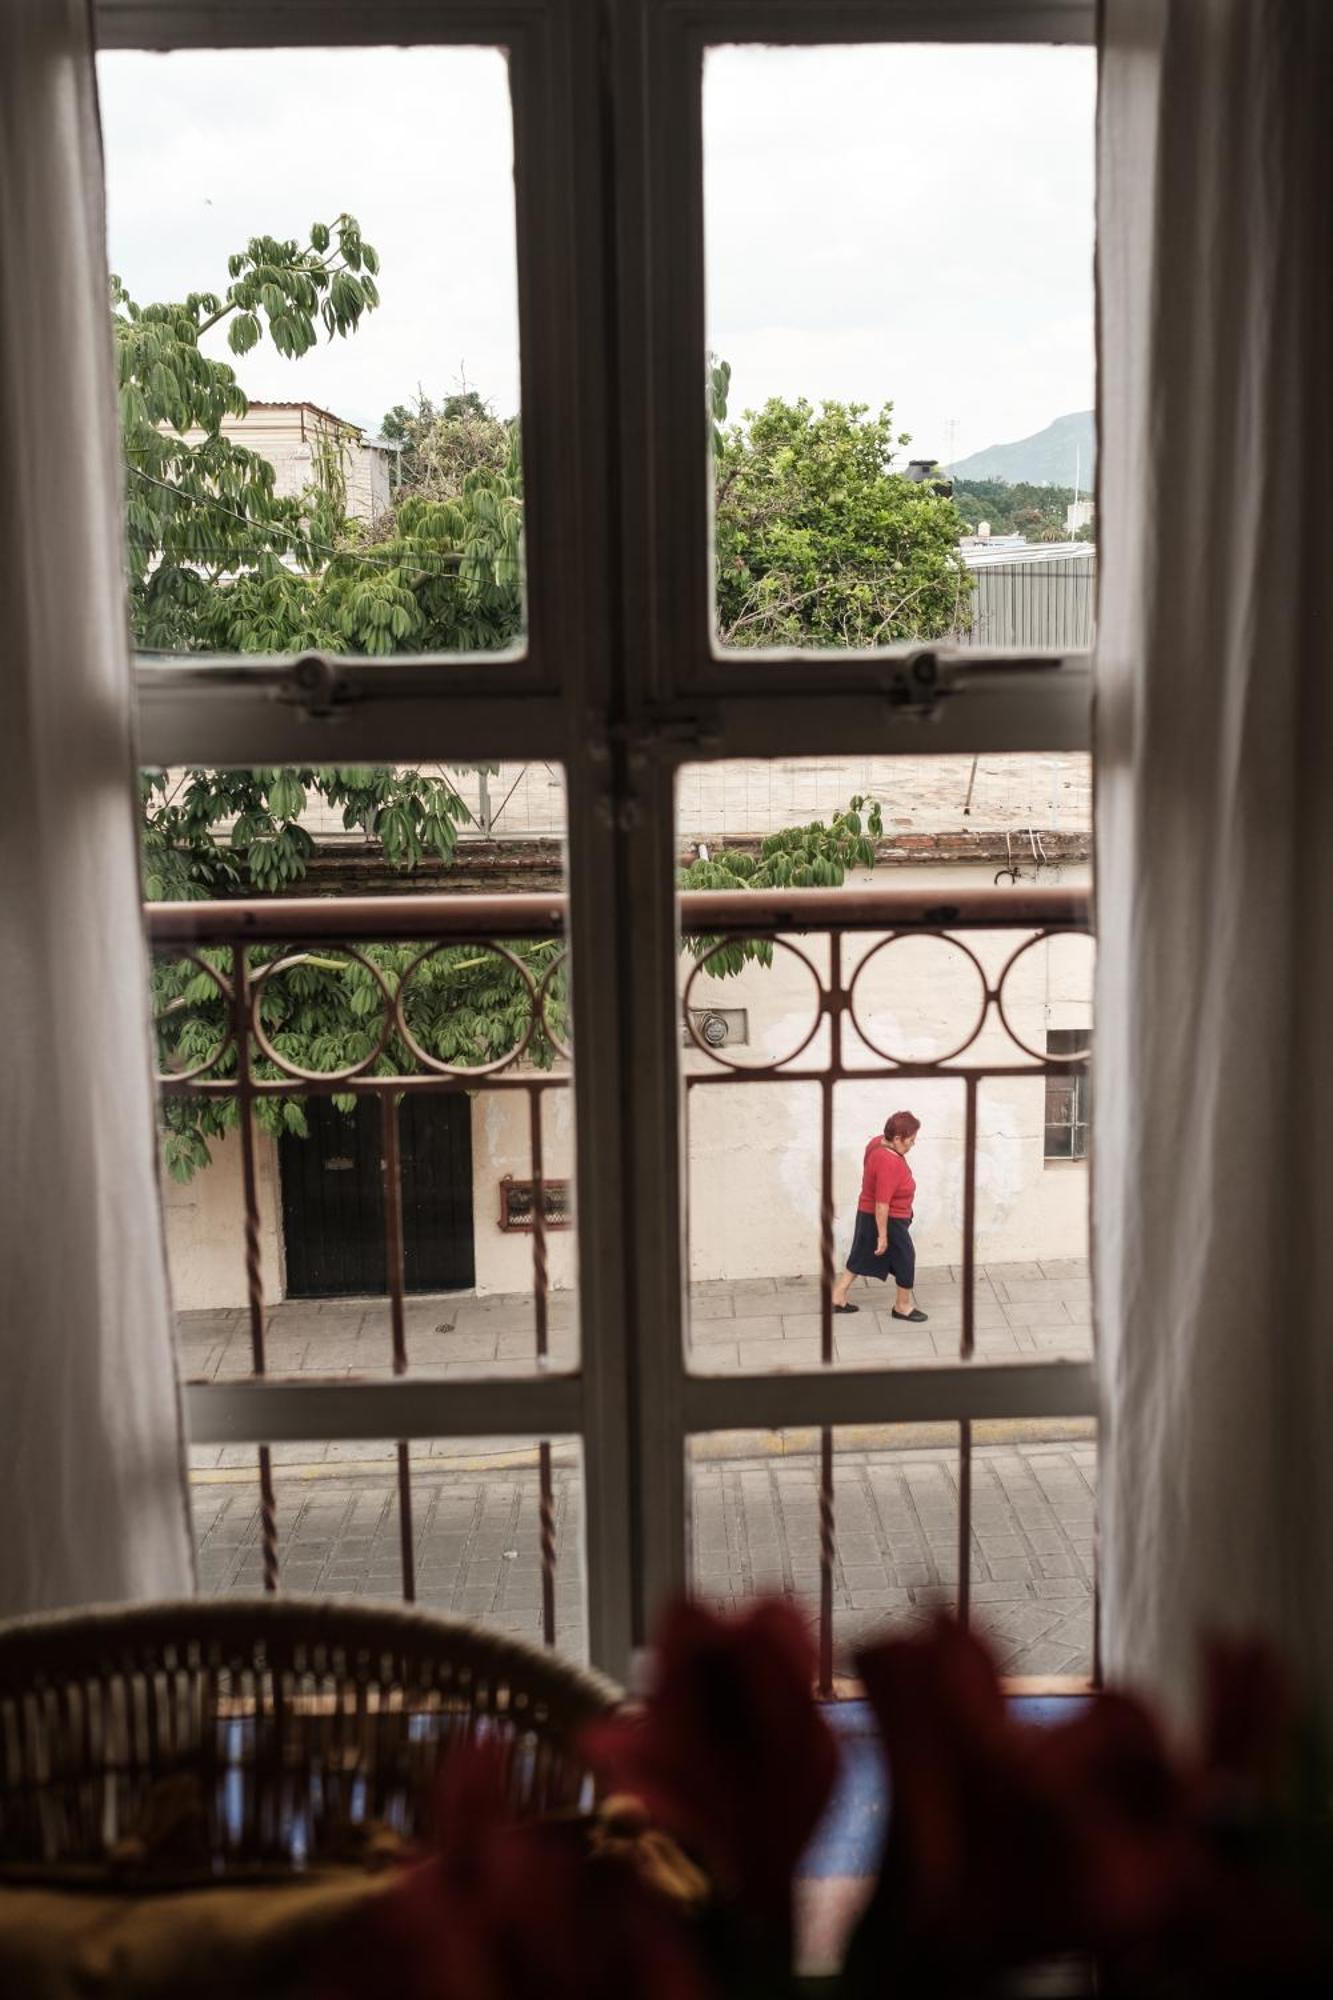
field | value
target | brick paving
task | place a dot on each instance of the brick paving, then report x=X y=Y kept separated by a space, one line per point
x=754 y=1496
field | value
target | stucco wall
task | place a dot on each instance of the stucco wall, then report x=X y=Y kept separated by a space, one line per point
x=205 y=1226
x=500 y=1145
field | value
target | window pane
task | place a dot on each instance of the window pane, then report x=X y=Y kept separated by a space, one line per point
x=1033 y=1496
x=448 y=1048
x=754 y=1524
x=915 y=1032
x=900 y=335
x=316 y=328
x=475 y=1541
x=1059 y=1100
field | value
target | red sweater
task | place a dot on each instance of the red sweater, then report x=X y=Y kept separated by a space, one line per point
x=886 y=1177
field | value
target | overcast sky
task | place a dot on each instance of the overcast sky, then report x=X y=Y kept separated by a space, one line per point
x=912 y=225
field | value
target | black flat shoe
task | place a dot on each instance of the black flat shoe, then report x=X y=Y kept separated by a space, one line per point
x=846 y=1309
x=916 y=1315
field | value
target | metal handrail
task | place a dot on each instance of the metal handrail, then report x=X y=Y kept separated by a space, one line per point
x=721 y=912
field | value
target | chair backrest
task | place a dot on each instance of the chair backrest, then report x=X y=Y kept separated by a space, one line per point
x=226 y=1737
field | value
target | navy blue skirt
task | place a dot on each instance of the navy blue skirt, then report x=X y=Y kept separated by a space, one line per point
x=898 y=1261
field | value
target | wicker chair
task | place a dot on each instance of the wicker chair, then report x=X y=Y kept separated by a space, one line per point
x=230 y=1739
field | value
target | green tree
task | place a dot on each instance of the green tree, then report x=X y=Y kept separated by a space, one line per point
x=816 y=856
x=819 y=542
x=1013 y=507
x=201 y=511
x=219 y=562
x=441 y=443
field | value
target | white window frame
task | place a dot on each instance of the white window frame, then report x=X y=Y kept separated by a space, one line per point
x=619 y=679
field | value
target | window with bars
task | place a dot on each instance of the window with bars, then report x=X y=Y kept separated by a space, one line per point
x=1068 y=1097
x=623 y=671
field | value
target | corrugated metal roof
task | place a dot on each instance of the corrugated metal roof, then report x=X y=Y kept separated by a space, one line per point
x=983 y=555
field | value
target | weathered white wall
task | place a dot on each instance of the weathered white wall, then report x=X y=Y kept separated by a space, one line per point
x=205 y=1224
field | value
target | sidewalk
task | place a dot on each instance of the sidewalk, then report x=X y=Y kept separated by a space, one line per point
x=1022 y=1312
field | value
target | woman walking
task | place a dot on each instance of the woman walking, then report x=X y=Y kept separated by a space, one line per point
x=882 y=1242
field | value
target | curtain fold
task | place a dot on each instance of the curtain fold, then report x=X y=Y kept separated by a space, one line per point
x=93 y=1497
x=1213 y=1190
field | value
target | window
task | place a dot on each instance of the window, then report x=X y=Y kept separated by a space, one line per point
x=620 y=682
x=1068 y=1097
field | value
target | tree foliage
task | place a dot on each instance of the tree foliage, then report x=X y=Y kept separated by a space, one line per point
x=1018 y=508
x=819 y=542
x=815 y=856
x=326 y=1010
x=219 y=561
x=441 y=443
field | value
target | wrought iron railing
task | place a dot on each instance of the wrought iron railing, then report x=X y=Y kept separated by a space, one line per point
x=240 y=949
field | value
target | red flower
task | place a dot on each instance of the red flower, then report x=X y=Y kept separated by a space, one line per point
x=1249 y=1718
x=515 y=1910
x=1007 y=1842
x=730 y=1753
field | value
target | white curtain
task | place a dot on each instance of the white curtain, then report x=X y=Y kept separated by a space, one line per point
x=93 y=1502
x=1213 y=1193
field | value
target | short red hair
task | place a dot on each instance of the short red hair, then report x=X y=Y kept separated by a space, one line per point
x=902 y=1125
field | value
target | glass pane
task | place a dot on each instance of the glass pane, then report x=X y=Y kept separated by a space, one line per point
x=875 y=1000
x=754 y=1524
x=315 y=319
x=448 y=1047
x=1059 y=1100
x=1033 y=1502
x=900 y=336
x=475 y=1543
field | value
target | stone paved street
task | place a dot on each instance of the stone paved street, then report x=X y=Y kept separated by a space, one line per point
x=754 y=1496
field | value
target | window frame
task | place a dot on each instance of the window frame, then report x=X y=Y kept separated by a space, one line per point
x=620 y=681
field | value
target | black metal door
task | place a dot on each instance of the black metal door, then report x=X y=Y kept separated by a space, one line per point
x=333 y=1198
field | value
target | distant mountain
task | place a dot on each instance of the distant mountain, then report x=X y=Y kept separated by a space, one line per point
x=1048 y=459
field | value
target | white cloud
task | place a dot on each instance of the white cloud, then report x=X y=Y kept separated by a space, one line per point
x=900 y=224
x=205 y=150
x=911 y=225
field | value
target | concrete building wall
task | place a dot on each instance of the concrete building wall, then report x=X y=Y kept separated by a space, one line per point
x=291 y=435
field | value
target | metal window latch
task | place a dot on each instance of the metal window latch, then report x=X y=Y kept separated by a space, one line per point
x=921 y=682
x=314 y=684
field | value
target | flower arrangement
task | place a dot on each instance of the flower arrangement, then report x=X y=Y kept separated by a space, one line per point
x=1141 y=1870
